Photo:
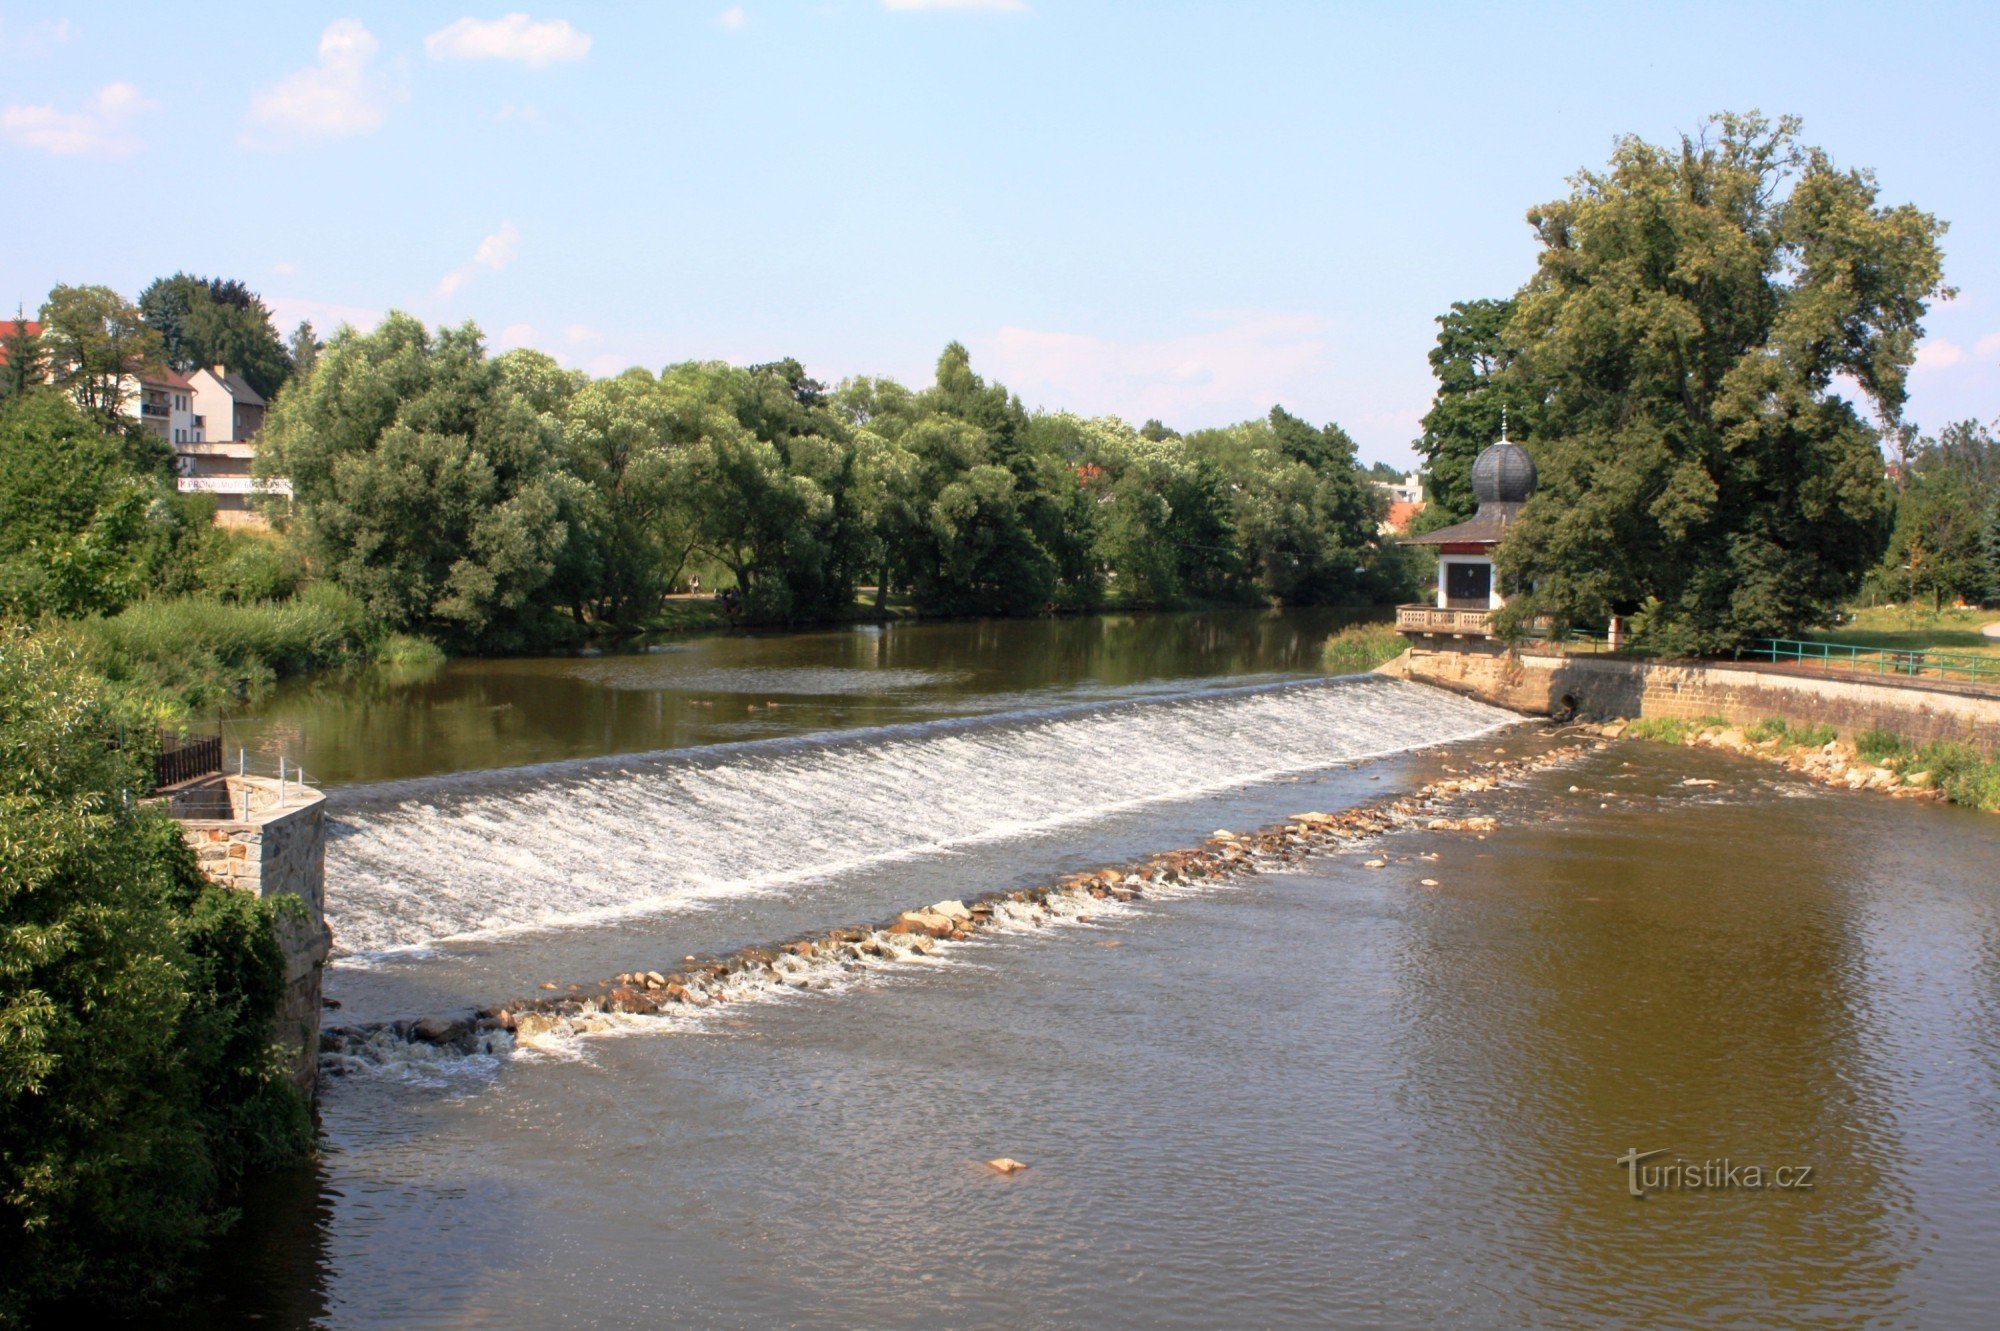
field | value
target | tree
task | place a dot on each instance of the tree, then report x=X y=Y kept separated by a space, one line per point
x=24 y=363
x=427 y=486
x=207 y=321
x=96 y=340
x=304 y=348
x=1690 y=310
x=1939 y=546
x=81 y=530
x=1473 y=398
x=137 y=1075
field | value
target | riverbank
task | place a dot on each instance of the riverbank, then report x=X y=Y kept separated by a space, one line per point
x=1876 y=760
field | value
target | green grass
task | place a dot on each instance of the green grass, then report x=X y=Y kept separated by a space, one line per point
x=1915 y=628
x=1361 y=648
x=195 y=652
x=1671 y=730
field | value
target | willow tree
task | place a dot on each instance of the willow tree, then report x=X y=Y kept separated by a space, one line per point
x=1700 y=320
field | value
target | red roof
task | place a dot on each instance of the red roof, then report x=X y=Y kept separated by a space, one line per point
x=10 y=327
x=164 y=377
x=1400 y=513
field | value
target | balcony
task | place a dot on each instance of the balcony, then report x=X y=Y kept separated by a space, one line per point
x=1455 y=623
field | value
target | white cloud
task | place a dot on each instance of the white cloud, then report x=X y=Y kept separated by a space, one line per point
x=513 y=337
x=527 y=113
x=285 y=269
x=732 y=18
x=1987 y=346
x=494 y=253
x=992 y=6
x=1238 y=367
x=1938 y=354
x=338 y=97
x=578 y=334
x=37 y=37
x=513 y=37
x=103 y=130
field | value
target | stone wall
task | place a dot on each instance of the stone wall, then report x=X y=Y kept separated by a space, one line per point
x=1602 y=687
x=275 y=846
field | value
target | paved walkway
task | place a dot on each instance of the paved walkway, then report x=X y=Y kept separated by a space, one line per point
x=1991 y=630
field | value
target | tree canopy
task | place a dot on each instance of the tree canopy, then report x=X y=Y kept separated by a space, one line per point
x=208 y=321
x=1679 y=343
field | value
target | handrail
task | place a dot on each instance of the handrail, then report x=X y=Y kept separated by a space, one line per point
x=1910 y=663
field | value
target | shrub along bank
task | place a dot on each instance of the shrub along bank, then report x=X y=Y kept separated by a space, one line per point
x=137 y=1075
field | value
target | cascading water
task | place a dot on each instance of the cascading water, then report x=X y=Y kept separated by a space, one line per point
x=573 y=844
x=418 y=863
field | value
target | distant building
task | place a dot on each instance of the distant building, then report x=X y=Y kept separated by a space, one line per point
x=1406 y=500
x=161 y=400
x=232 y=409
x=1503 y=476
x=222 y=463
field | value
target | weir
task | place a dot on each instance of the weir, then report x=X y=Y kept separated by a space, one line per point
x=417 y=863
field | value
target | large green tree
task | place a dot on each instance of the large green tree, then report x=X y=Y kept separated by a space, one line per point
x=96 y=340
x=208 y=321
x=1690 y=311
x=428 y=485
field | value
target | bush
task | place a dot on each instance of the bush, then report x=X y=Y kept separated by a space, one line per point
x=136 y=1000
x=1814 y=737
x=246 y=567
x=203 y=651
x=1880 y=746
x=1768 y=729
x=1361 y=648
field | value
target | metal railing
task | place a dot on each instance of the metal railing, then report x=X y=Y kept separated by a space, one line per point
x=188 y=760
x=1920 y=663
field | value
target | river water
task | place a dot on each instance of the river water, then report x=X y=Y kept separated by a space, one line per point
x=1332 y=1096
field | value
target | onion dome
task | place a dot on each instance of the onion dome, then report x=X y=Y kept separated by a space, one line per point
x=1503 y=474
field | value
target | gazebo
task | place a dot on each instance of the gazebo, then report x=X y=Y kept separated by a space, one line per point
x=1503 y=476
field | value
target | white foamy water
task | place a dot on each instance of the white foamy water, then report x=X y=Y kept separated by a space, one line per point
x=573 y=844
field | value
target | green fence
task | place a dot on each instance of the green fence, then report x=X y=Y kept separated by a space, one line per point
x=1890 y=661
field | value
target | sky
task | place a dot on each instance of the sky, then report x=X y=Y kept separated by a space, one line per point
x=1174 y=210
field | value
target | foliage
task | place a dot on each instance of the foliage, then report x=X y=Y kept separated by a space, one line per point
x=81 y=529
x=1363 y=647
x=1879 y=746
x=1946 y=542
x=24 y=361
x=1474 y=400
x=1770 y=728
x=201 y=652
x=1690 y=310
x=207 y=321
x=136 y=1077
x=426 y=487
x=95 y=339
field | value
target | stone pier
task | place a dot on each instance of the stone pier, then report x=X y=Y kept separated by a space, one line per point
x=271 y=840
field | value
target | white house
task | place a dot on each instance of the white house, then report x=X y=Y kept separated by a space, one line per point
x=220 y=463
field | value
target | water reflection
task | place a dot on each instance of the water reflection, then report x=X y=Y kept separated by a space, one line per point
x=469 y=715
x=1681 y=976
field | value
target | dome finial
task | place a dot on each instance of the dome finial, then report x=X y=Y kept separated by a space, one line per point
x=1503 y=422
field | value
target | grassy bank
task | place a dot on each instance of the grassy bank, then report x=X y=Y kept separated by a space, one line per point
x=1874 y=760
x=1362 y=648
x=1915 y=628
x=189 y=653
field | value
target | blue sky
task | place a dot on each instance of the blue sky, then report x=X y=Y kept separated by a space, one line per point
x=1179 y=210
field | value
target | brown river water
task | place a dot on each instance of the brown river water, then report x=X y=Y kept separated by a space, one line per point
x=1329 y=1096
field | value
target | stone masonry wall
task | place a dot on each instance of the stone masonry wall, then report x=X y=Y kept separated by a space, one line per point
x=278 y=851
x=1605 y=687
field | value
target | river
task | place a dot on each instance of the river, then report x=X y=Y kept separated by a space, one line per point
x=1332 y=1095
